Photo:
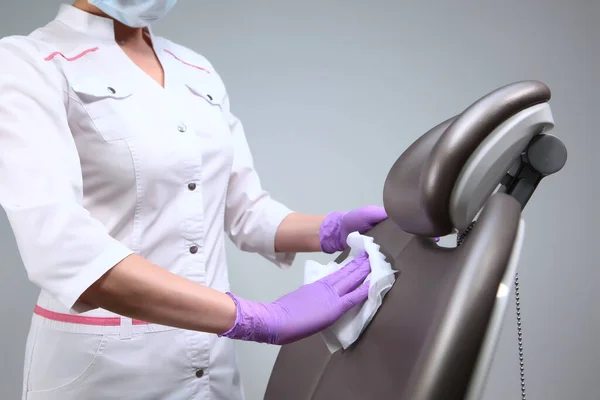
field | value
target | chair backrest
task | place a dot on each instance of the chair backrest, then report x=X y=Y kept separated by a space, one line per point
x=433 y=336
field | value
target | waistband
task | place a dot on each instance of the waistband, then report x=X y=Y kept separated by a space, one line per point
x=122 y=326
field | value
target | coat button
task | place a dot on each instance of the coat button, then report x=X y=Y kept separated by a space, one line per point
x=199 y=373
x=194 y=249
x=111 y=90
x=192 y=186
x=209 y=97
x=182 y=128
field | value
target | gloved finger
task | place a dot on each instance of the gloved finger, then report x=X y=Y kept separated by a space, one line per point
x=356 y=297
x=338 y=275
x=352 y=280
x=374 y=214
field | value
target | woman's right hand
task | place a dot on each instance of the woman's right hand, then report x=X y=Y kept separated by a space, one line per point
x=303 y=312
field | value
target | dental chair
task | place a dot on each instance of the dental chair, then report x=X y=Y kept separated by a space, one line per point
x=434 y=336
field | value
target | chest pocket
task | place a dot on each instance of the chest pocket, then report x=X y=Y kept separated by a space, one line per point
x=109 y=106
x=208 y=105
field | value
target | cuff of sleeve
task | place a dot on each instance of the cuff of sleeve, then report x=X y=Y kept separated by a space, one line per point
x=277 y=212
x=105 y=261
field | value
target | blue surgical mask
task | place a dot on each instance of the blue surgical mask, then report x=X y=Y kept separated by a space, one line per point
x=135 y=13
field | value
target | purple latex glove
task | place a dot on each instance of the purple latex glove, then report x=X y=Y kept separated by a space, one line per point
x=338 y=225
x=304 y=312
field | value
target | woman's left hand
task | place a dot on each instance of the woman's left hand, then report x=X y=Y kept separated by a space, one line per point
x=338 y=225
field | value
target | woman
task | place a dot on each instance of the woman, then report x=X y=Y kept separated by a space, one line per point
x=120 y=167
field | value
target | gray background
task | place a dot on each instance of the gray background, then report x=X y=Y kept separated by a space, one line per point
x=331 y=92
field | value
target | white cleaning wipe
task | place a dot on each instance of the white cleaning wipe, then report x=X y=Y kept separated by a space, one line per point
x=347 y=329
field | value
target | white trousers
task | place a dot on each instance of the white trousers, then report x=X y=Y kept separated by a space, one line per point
x=66 y=361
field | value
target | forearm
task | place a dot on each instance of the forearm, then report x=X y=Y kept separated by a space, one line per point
x=299 y=233
x=138 y=289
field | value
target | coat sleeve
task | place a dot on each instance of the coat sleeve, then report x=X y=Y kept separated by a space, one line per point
x=251 y=215
x=64 y=249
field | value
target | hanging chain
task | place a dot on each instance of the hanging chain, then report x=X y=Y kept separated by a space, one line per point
x=520 y=336
x=463 y=235
x=460 y=240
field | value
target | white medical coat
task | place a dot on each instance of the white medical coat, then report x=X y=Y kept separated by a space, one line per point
x=98 y=161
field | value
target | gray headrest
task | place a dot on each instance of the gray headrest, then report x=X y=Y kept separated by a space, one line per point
x=419 y=186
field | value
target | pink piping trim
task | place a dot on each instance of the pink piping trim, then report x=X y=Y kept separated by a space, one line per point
x=58 y=53
x=186 y=63
x=79 y=319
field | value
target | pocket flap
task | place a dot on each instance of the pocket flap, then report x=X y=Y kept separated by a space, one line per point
x=209 y=91
x=100 y=89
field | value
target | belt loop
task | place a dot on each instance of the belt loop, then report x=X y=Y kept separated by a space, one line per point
x=126 y=328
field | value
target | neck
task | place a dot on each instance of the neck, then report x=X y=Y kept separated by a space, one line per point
x=123 y=33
